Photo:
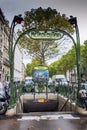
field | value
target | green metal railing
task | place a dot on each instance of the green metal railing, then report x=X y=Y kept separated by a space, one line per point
x=64 y=90
x=68 y=91
x=18 y=91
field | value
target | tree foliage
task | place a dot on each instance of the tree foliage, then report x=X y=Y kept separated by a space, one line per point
x=84 y=53
x=30 y=66
x=43 y=50
x=43 y=19
x=28 y=70
x=66 y=62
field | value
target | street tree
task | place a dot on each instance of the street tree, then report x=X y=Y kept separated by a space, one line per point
x=84 y=59
x=84 y=52
x=46 y=19
x=64 y=64
x=43 y=19
x=28 y=70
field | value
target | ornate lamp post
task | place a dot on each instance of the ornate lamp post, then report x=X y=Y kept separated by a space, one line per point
x=16 y=20
x=60 y=33
x=73 y=21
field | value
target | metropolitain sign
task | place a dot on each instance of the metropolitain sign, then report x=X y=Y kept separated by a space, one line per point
x=45 y=34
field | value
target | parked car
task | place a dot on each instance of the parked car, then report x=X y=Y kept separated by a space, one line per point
x=50 y=81
x=59 y=79
x=28 y=84
x=4 y=102
x=2 y=89
x=28 y=81
x=85 y=85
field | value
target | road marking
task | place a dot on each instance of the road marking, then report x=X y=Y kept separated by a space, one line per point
x=49 y=117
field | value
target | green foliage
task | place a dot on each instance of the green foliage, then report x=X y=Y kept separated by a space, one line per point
x=24 y=41
x=84 y=58
x=66 y=62
x=43 y=50
x=46 y=18
x=84 y=53
x=43 y=19
x=28 y=70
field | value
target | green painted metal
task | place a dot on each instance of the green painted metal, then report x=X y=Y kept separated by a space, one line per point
x=45 y=34
x=50 y=36
x=11 y=61
x=78 y=59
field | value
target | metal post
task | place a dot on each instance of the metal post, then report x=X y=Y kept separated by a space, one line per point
x=78 y=58
x=11 y=60
x=73 y=21
x=16 y=20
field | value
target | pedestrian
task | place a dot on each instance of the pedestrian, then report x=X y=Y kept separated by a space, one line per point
x=83 y=96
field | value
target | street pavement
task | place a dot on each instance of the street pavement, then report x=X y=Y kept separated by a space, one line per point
x=45 y=121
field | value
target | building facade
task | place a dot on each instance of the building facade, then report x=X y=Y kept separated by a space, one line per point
x=18 y=64
x=4 y=55
x=72 y=75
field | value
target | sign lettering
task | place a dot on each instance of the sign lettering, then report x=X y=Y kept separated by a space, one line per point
x=45 y=34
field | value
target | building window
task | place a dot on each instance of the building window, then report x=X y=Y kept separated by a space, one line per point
x=1 y=40
x=0 y=77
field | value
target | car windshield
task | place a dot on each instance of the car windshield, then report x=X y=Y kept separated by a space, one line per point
x=2 y=90
x=85 y=86
x=28 y=80
x=61 y=80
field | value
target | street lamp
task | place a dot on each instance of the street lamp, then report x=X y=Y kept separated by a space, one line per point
x=73 y=21
x=16 y=20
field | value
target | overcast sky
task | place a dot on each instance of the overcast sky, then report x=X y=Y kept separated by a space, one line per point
x=77 y=8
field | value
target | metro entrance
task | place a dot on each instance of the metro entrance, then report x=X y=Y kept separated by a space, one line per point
x=45 y=35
